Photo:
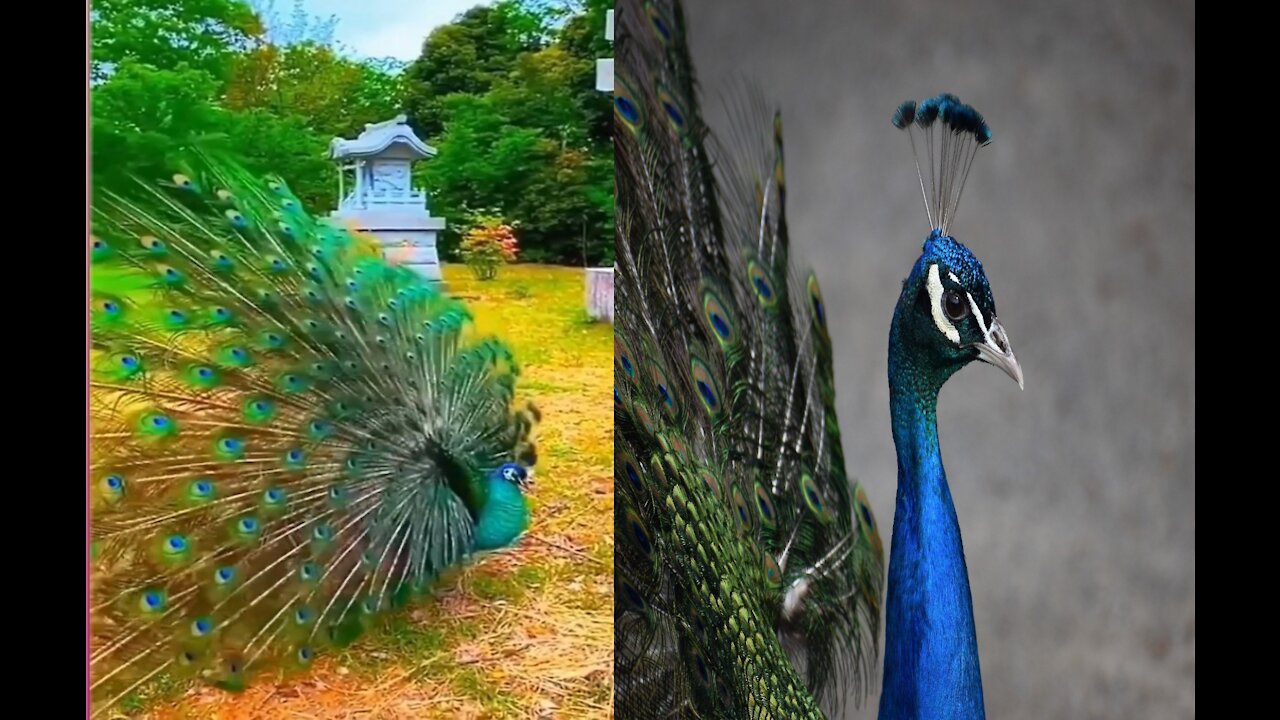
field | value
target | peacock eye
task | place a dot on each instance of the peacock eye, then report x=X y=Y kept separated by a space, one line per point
x=954 y=305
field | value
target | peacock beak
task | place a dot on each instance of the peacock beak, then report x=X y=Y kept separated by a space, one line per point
x=527 y=483
x=997 y=351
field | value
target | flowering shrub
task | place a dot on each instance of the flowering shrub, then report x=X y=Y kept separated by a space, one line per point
x=487 y=245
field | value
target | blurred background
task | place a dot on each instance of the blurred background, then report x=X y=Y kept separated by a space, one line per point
x=1076 y=496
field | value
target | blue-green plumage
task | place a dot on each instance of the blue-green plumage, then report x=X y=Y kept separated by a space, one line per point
x=931 y=654
x=505 y=513
x=945 y=318
x=749 y=565
x=289 y=435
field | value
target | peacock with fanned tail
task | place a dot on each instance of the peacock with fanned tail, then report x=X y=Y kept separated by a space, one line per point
x=289 y=435
x=749 y=565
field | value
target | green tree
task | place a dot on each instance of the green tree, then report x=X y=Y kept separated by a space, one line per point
x=467 y=56
x=539 y=94
x=559 y=193
x=173 y=73
x=535 y=145
x=484 y=162
x=166 y=34
x=144 y=118
x=301 y=27
x=336 y=95
x=566 y=211
x=144 y=115
x=288 y=147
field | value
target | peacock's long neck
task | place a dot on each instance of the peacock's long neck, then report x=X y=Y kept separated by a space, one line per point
x=502 y=518
x=931 y=650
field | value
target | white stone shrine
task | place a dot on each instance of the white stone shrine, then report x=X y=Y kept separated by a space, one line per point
x=382 y=200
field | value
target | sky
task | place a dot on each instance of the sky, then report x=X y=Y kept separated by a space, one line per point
x=384 y=28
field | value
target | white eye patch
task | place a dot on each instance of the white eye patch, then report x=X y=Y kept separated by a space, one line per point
x=934 y=284
x=982 y=323
x=993 y=334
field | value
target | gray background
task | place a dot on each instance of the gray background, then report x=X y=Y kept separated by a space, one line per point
x=1077 y=496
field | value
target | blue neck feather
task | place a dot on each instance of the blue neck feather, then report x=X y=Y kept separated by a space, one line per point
x=504 y=516
x=931 y=649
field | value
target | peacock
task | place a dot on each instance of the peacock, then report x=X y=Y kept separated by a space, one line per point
x=289 y=436
x=749 y=567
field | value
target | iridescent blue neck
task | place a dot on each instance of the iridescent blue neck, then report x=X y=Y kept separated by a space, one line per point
x=931 y=650
x=504 y=516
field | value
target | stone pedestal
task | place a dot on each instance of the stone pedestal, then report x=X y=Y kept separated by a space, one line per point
x=406 y=237
x=600 y=294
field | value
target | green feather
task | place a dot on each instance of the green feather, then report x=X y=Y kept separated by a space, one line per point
x=732 y=484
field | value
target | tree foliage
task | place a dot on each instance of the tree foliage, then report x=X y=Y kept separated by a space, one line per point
x=335 y=95
x=506 y=93
x=301 y=27
x=200 y=34
x=522 y=128
x=466 y=57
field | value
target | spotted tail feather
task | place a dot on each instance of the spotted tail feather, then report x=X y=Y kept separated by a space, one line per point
x=749 y=566
x=289 y=436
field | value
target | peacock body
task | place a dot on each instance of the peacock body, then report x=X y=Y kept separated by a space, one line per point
x=749 y=564
x=289 y=436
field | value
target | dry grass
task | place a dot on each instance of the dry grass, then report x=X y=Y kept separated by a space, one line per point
x=522 y=634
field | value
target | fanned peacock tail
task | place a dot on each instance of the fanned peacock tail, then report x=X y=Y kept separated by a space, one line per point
x=289 y=435
x=749 y=566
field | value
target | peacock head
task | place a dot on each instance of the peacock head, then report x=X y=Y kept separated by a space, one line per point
x=517 y=475
x=946 y=315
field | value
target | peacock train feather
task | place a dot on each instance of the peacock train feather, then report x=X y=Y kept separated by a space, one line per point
x=749 y=564
x=289 y=436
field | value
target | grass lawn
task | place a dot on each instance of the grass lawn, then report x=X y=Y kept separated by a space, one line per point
x=523 y=634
